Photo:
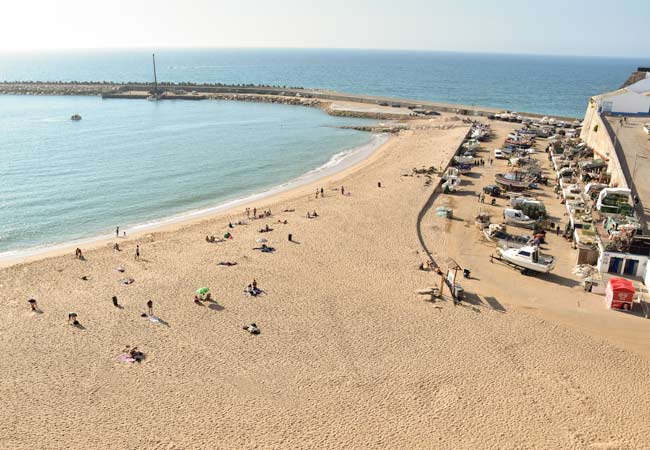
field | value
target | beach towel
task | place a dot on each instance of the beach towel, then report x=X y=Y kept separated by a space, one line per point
x=125 y=358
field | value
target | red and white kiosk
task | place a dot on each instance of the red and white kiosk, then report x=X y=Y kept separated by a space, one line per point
x=619 y=294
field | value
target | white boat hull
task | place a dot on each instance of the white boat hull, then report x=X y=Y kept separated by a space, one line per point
x=545 y=265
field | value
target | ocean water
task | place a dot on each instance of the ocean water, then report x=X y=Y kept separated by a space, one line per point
x=130 y=162
x=554 y=85
x=134 y=162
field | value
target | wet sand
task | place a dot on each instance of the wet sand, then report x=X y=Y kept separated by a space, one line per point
x=350 y=355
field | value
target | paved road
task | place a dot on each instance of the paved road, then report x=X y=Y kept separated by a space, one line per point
x=636 y=146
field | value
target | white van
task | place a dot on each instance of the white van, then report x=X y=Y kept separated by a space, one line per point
x=502 y=153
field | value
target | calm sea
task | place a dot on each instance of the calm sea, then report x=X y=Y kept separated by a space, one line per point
x=131 y=162
x=559 y=85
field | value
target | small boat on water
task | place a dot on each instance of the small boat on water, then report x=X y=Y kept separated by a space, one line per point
x=75 y=117
x=528 y=258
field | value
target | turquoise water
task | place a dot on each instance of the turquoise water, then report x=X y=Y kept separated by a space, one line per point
x=554 y=85
x=133 y=161
x=130 y=162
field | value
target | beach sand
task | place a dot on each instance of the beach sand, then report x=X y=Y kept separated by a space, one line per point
x=349 y=355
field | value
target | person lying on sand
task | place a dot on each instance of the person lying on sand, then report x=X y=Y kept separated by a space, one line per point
x=266 y=229
x=264 y=248
x=226 y=263
x=284 y=222
x=134 y=353
x=197 y=300
x=252 y=328
x=314 y=214
x=289 y=210
x=116 y=247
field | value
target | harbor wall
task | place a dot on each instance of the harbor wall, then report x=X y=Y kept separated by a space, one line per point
x=598 y=135
x=116 y=90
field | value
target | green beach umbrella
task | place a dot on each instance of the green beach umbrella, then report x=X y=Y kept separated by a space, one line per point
x=203 y=291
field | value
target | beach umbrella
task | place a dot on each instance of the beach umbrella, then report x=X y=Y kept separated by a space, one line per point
x=203 y=290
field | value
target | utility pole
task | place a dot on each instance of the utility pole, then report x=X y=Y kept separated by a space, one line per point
x=155 y=77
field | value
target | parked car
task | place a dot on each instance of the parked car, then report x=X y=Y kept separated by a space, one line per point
x=502 y=153
x=492 y=190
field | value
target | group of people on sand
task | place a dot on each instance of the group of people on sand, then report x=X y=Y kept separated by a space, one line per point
x=320 y=191
x=253 y=290
x=266 y=213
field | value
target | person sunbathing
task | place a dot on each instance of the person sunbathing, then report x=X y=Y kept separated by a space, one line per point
x=252 y=328
x=134 y=353
x=226 y=263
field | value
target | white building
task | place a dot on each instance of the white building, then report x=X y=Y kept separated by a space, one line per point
x=631 y=100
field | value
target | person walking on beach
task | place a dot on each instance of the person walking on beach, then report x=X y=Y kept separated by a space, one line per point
x=150 y=307
x=33 y=304
x=342 y=190
x=254 y=213
x=137 y=253
x=248 y=213
x=317 y=192
x=117 y=232
x=557 y=230
x=322 y=192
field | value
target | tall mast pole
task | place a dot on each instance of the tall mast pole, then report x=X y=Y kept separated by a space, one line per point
x=155 y=78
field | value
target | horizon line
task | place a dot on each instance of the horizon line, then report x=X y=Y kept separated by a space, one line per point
x=154 y=49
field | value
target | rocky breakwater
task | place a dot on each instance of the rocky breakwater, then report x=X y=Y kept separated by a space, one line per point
x=37 y=88
x=259 y=98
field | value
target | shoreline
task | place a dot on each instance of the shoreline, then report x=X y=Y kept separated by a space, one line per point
x=341 y=162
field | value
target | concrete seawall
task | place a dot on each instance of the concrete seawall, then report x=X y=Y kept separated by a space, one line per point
x=184 y=92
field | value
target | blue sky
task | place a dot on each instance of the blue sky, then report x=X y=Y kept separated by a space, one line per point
x=595 y=27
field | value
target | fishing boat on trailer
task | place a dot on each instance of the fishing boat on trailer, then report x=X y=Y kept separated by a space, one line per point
x=528 y=259
x=519 y=143
x=513 y=181
x=496 y=232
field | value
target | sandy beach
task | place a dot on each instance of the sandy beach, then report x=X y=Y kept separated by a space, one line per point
x=350 y=354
